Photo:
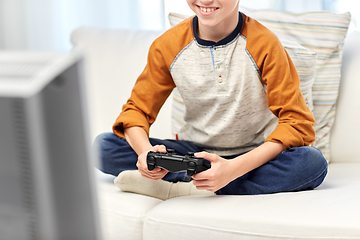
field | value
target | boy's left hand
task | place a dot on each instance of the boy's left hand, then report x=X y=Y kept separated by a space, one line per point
x=215 y=178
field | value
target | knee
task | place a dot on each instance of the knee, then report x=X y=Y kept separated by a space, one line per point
x=308 y=158
x=314 y=157
x=308 y=167
x=317 y=167
x=104 y=141
x=102 y=136
x=100 y=144
x=103 y=145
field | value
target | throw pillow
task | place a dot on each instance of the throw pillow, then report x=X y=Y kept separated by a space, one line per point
x=323 y=33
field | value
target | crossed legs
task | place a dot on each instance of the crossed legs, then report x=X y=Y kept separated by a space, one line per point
x=295 y=169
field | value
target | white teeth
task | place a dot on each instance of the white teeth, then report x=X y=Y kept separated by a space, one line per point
x=207 y=9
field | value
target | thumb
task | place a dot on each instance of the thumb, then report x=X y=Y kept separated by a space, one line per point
x=208 y=156
x=159 y=148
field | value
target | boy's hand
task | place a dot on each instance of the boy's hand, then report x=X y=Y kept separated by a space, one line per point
x=156 y=173
x=215 y=178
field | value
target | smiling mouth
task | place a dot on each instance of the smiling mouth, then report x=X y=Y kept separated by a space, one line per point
x=207 y=9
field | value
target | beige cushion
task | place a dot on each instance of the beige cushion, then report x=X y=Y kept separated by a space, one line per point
x=323 y=33
x=122 y=214
x=345 y=134
x=114 y=59
x=329 y=212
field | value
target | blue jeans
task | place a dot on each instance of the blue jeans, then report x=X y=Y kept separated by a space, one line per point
x=295 y=169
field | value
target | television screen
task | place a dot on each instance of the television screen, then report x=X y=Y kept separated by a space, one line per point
x=47 y=187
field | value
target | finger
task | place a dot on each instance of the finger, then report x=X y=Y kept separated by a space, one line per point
x=160 y=148
x=155 y=170
x=140 y=165
x=143 y=167
x=156 y=176
x=202 y=175
x=208 y=156
x=202 y=184
x=156 y=173
x=153 y=173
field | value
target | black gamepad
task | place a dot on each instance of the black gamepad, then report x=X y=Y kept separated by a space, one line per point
x=177 y=163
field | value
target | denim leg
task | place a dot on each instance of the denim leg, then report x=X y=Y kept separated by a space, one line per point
x=295 y=169
x=116 y=155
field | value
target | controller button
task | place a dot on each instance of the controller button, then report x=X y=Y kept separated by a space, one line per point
x=192 y=165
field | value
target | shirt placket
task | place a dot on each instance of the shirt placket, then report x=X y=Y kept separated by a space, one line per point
x=220 y=73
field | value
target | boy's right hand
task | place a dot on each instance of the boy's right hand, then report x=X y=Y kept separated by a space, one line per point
x=156 y=173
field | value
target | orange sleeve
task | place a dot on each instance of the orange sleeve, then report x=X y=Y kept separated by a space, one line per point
x=285 y=100
x=155 y=83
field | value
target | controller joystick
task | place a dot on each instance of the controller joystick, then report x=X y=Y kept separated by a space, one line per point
x=191 y=168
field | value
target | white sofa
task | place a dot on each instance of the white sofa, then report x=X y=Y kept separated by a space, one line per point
x=114 y=59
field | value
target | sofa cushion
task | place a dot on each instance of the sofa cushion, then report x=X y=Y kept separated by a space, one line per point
x=122 y=214
x=114 y=58
x=329 y=212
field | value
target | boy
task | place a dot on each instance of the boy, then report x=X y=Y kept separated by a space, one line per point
x=235 y=78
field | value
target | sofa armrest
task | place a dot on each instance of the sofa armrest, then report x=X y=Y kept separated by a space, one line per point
x=346 y=130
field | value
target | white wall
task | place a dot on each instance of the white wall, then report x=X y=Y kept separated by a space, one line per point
x=47 y=24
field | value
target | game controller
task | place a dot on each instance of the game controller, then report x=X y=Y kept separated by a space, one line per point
x=177 y=163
